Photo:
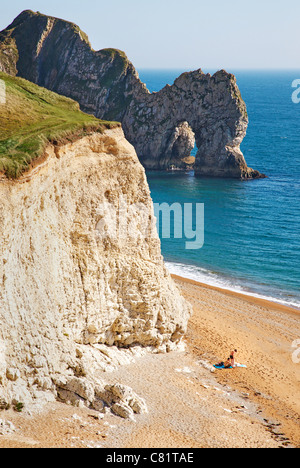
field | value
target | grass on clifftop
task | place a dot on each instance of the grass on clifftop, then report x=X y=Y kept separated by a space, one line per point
x=31 y=117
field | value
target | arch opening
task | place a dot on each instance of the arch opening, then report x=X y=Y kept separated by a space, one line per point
x=182 y=148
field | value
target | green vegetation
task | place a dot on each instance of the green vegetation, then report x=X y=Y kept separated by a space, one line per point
x=18 y=407
x=33 y=116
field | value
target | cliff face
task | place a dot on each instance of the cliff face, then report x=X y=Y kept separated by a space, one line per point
x=72 y=289
x=162 y=126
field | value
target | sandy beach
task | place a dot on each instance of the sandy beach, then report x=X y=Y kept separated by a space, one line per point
x=190 y=406
x=263 y=333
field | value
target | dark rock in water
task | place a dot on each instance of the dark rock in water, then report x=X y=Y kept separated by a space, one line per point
x=163 y=126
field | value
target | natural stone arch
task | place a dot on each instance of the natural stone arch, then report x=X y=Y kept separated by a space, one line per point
x=160 y=125
x=181 y=144
x=177 y=147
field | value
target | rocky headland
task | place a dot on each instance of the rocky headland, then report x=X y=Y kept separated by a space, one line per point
x=163 y=127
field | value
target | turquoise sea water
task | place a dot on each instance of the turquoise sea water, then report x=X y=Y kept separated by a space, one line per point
x=252 y=229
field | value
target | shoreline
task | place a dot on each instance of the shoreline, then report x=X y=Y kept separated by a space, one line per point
x=241 y=295
x=236 y=285
x=263 y=332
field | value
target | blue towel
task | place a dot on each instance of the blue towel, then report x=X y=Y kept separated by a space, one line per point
x=223 y=367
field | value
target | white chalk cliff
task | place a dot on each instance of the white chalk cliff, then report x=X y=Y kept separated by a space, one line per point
x=72 y=298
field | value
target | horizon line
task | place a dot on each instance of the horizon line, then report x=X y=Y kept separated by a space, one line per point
x=217 y=68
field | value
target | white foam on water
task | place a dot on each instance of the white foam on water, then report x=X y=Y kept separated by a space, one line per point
x=201 y=275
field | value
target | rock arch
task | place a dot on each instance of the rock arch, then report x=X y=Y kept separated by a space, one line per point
x=199 y=108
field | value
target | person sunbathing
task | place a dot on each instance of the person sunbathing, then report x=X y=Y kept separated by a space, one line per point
x=227 y=365
x=232 y=357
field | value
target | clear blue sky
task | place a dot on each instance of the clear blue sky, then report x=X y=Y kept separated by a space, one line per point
x=185 y=34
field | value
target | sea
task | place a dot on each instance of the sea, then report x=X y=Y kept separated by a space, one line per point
x=251 y=228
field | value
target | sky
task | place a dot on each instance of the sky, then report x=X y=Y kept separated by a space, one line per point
x=185 y=34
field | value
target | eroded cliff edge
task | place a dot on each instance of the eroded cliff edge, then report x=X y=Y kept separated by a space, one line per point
x=71 y=297
x=163 y=126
